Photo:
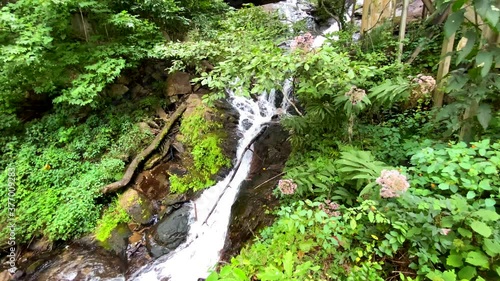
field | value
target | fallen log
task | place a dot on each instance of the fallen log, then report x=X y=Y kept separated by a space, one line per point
x=262 y=130
x=113 y=187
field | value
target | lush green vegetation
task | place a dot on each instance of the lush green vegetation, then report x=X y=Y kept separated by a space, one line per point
x=204 y=139
x=113 y=216
x=366 y=198
x=382 y=184
x=63 y=130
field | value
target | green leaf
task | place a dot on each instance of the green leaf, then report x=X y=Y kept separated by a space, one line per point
x=487 y=11
x=449 y=275
x=467 y=273
x=453 y=23
x=470 y=36
x=305 y=246
x=288 y=263
x=353 y=224
x=491 y=247
x=213 y=276
x=477 y=258
x=481 y=228
x=471 y=194
x=454 y=260
x=465 y=232
x=484 y=59
x=485 y=184
x=484 y=115
x=487 y=215
x=270 y=273
x=465 y=165
x=489 y=202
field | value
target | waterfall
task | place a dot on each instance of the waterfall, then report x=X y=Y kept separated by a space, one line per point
x=200 y=253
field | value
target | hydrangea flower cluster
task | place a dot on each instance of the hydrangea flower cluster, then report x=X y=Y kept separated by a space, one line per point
x=425 y=85
x=287 y=187
x=303 y=42
x=330 y=208
x=393 y=183
x=355 y=95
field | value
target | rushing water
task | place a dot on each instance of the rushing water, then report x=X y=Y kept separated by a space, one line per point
x=200 y=253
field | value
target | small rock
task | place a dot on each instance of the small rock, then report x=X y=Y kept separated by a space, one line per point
x=176 y=169
x=137 y=206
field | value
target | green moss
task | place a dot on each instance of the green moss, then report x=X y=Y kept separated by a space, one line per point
x=203 y=139
x=111 y=218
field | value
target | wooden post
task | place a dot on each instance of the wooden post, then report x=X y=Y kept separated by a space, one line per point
x=444 y=68
x=374 y=12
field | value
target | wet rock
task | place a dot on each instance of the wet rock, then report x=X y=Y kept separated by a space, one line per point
x=80 y=262
x=169 y=233
x=176 y=169
x=118 y=240
x=178 y=83
x=137 y=206
x=248 y=214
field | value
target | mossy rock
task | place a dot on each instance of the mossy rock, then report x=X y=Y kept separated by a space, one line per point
x=137 y=206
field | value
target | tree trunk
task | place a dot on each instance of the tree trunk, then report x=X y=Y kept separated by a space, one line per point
x=113 y=187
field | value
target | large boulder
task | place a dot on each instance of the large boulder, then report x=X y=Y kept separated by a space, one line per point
x=178 y=83
x=137 y=206
x=169 y=233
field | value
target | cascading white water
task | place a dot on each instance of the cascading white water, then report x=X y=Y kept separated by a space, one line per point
x=200 y=253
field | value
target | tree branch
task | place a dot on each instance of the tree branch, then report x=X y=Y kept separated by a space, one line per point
x=262 y=130
x=145 y=153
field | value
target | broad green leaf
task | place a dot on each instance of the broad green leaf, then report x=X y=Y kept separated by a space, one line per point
x=213 y=276
x=491 y=247
x=484 y=115
x=465 y=232
x=487 y=215
x=288 y=263
x=471 y=194
x=481 y=228
x=449 y=275
x=454 y=260
x=489 y=202
x=484 y=59
x=453 y=23
x=467 y=273
x=477 y=258
x=485 y=184
x=353 y=224
x=470 y=36
x=488 y=11
x=240 y=274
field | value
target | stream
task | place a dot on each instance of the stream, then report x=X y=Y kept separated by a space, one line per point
x=196 y=257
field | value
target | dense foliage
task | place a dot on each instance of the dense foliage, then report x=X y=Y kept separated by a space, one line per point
x=204 y=139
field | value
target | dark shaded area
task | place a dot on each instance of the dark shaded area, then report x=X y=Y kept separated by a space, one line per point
x=239 y=3
x=248 y=214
